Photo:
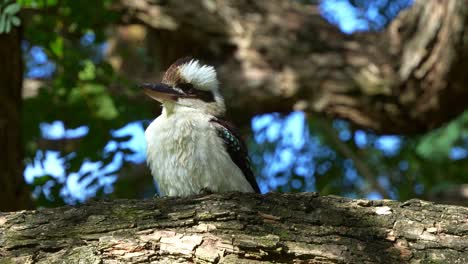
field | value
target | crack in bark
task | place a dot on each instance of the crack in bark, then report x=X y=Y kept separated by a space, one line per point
x=306 y=228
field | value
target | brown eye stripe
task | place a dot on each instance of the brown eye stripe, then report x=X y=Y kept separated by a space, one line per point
x=205 y=95
x=191 y=91
x=185 y=86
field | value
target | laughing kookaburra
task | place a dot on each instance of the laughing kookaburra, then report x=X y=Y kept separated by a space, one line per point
x=190 y=149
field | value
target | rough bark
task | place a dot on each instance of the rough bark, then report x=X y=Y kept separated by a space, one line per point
x=283 y=55
x=13 y=192
x=238 y=228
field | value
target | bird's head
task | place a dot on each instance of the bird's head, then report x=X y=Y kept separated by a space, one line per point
x=188 y=83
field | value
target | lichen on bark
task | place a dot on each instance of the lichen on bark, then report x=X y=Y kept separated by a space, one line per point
x=238 y=228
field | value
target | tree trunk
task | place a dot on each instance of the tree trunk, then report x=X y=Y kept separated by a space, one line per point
x=284 y=56
x=13 y=192
x=238 y=228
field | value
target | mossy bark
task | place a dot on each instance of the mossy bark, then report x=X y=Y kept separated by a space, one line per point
x=238 y=228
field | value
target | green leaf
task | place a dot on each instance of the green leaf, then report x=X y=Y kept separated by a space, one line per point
x=7 y=26
x=101 y=103
x=89 y=71
x=437 y=144
x=25 y=2
x=12 y=9
x=41 y=180
x=51 y=2
x=2 y=23
x=15 y=21
x=105 y=107
x=57 y=47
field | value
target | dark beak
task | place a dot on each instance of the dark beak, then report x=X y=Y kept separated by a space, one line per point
x=161 y=91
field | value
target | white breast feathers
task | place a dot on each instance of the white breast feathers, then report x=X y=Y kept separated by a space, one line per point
x=186 y=155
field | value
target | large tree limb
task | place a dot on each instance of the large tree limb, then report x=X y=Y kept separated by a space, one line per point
x=238 y=228
x=282 y=55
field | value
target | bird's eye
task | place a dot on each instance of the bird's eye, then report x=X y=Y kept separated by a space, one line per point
x=185 y=86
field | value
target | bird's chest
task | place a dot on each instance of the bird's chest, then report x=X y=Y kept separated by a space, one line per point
x=175 y=141
x=179 y=151
x=173 y=136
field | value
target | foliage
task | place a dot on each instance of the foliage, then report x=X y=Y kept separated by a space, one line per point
x=81 y=89
x=326 y=159
x=8 y=18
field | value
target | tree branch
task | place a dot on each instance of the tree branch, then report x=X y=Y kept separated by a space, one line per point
x=363 y=169
x=13 y=189
x=283 y=55
x=238 y=228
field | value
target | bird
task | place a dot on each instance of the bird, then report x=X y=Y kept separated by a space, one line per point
x=191 y=148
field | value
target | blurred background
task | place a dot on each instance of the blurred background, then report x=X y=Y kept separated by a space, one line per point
x=362 y=99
